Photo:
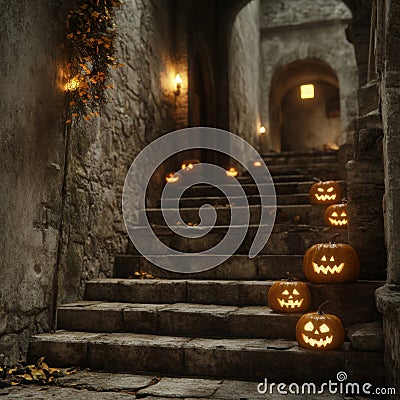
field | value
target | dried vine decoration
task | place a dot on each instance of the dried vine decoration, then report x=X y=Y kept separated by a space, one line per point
x=90 y=43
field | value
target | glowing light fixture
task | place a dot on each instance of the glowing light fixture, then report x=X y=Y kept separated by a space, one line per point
x=262 y=130
x=178 y=83
x=257 y=164
x=232 y=172
x=307 y=91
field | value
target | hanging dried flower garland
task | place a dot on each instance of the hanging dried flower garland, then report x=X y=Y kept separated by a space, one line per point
x=90 y=43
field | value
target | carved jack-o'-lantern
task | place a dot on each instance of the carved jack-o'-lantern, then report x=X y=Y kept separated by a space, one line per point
x=331 y=263
x=189 y=165
x=327 y=192
x=317 y=330
x=289 y=296
x=172 y=177
x=232 y=172
x=336 y=215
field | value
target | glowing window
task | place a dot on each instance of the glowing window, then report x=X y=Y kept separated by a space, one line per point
x=307 y=91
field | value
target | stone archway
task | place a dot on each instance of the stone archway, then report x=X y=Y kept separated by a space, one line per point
x=284 y=86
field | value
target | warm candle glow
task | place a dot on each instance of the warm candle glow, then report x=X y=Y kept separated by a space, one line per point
x=172 y=178
x=232 y=172
x=307 y=91
x=178 y=80
x=262 y=130
x=187 y=167
x=257 y=163
x=72 y=84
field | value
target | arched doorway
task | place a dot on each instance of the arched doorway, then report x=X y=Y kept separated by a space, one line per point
x=300 y=122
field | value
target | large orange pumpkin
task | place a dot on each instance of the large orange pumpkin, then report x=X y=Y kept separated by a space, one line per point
x=289 y=296
x=336 y=215
x=331 y=263
x=328 y=192
x=317 y=330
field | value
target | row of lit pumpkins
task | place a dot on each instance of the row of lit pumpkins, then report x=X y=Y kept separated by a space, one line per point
x=323 y=263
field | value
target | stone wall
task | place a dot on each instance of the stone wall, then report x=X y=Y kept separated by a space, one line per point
x=43 y=194
x=32 y=148
x=302 y=30
x=244 y=73
x=140 y=110
x=387 y=68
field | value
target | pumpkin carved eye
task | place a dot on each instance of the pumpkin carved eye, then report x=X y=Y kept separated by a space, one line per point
x=309 y=326
x=296 y=292
x=335 y=214
x=286 y=292
x=343 y=214
x=323 y=258
x=332 y=259
x=321 y=190
x=330 y=190
x=324 y=328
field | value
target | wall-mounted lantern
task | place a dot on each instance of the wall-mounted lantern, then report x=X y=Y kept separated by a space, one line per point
x=178 y=83
x=262 y=130
x=307 y=91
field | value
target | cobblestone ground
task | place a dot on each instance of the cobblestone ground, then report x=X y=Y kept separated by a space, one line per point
x=106 y=386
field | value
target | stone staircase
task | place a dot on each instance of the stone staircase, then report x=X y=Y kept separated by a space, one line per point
x=217 y=323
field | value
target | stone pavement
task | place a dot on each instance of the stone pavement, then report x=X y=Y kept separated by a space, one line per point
x=107 y=386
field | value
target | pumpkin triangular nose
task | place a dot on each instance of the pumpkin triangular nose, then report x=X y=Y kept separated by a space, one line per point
x=290 y=297
x=316 y=332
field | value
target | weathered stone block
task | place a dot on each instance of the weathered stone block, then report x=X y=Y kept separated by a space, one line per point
x=366 y=337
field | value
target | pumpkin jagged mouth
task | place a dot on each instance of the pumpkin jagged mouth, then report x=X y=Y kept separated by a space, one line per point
x=319 y=343
x=290 y=303
x=325 y=197
x=338 y=222
x=336 y=269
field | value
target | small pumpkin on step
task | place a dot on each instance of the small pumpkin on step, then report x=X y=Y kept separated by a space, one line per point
x=289 y=296
x=331 y=263
x=336 y=215
x=325 y=192
x=320 y=331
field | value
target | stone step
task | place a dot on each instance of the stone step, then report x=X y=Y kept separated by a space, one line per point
x=205 y=191
x=284 y=239
x=180 y=319
x=252 y=359
x=323 y=171
x=283 y=199
x=288 y=214
x=352 y=302
x=282 y=178
x=293 y=157
x=235 y=267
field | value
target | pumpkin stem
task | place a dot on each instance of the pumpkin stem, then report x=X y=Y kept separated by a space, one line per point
x=289 y=278
x=334 y=237
x=320 y=310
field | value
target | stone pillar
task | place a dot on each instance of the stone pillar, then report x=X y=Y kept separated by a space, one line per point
x=388 y=67
x=365 y=174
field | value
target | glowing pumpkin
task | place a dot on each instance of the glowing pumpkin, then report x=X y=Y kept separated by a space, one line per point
x=289 y=296
x=317 y=330
x=331 y=263
x=172 y=177
x=189 y=165
x=336 y=215
x=327 y=192
x=232 y=172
